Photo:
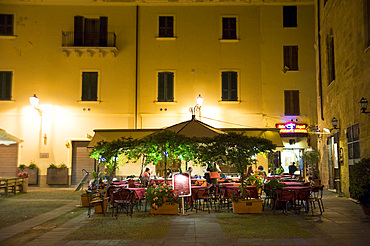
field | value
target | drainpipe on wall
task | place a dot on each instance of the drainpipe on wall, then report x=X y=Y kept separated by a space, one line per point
x=136 y=66
x=319 y=52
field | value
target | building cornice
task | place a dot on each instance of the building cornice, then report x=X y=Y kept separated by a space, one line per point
x=156 y=2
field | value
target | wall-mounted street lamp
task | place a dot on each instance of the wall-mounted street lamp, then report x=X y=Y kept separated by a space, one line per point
x=363 y=105
x=197 y=108
x=334 y=122
x=34 y=100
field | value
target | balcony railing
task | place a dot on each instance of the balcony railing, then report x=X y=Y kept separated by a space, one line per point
x=68 y=45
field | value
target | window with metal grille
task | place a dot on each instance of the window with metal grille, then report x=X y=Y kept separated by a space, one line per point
x=289 y=16
x=89 y=86
x=165 y=86
x=291 y=105
x=5 y=85
x=6 y=25
x=291 y=57
x=229 y=86
x=166 y=26
x=353 y=143
x=229 y=28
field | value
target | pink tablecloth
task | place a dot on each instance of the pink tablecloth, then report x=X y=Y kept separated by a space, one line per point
x=139 y=193
x=292 y=183
x=251 y=189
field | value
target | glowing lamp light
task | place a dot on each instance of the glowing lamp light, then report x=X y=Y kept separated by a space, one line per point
x=199 y=100
x=34 y=101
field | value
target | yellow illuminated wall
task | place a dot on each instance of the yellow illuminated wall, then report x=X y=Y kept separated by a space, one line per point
x=197 y=56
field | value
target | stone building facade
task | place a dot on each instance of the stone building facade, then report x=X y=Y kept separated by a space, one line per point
x=343 y=78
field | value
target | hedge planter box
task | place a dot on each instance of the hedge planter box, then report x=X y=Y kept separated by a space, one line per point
x=85 y=200
x=166 y=208
x=252 y=206
x=33 y=175
x=57 y=176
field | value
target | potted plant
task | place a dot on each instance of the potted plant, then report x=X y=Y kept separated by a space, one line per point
x=162 y=199
x=242 y=204
x=255 y=180
x=24 y=175
x=33 y=172
x=311 y=158
x=57 y=175
x=360 y=183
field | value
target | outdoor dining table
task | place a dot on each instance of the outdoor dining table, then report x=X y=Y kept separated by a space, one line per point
x=251 y=189
x=292 y=183
x=139 y=193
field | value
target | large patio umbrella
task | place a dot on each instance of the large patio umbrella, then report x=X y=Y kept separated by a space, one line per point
x=194 y=128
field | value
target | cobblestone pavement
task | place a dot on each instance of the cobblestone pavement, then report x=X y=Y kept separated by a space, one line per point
x=342 y=223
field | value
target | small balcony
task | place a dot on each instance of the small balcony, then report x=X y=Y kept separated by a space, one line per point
x=91 y=46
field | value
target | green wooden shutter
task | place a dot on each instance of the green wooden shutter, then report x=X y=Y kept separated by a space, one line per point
x=225 y=87
x=5 y=85
x=233 y=86
x=169 y=96
x=289 y=16
x=78 y=31
x=103 y=31
x=161 y=87
x=89 y=86
x=291 y=102
x=296 y=110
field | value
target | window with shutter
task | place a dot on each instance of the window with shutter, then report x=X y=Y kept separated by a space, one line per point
x=229 y=28
x=291 y=98
x=353 y=141
x=229 y=86
x=6 y=25
x=166 y=26
x=165 y=86
x=291 y=57
x=89 y=86
x=5 y=85
x=331 y=61
x=91 y=31
x=289 y=16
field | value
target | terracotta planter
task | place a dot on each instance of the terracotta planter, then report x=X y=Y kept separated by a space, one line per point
x=166 y=208
x=214 y=175
x=57 y=176
x=85 y=200
x=252 y=206
x=98 y=209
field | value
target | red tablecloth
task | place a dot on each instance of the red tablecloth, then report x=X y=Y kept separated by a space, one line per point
x=251 y=189
x=139 y=193
x=292 y=183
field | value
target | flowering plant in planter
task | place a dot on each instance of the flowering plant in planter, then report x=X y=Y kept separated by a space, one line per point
x=22 y=175
x=157 y=195
x=254 y=180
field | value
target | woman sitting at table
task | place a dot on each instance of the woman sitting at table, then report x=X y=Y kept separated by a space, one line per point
x=145 y=178
x=260 y=171
x=250 y=171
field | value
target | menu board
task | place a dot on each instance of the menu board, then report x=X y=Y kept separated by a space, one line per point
x=181 y=183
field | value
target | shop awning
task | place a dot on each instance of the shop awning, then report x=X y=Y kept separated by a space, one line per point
x=114 y=134
x=7 y=139
x=268 y=133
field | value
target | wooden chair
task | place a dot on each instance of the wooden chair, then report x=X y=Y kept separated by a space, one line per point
x=303 y=200
x=316 y=197
x=284 y=197
x=204 y=196
x=123 y=199
x=95 y=199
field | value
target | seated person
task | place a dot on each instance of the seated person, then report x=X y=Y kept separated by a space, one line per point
x=260 y=171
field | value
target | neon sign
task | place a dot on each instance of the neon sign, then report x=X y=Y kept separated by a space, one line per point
x=292 y=127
